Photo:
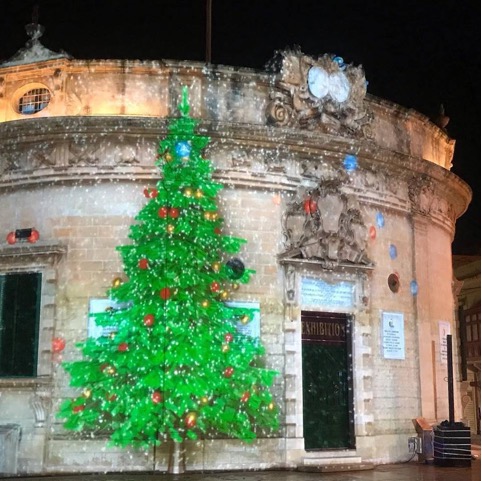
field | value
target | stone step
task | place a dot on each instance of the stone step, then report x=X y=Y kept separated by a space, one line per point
x=325 y=461
x=338 y=453
x=335 y=468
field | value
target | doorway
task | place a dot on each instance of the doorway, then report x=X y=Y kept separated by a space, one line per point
x=327 y=381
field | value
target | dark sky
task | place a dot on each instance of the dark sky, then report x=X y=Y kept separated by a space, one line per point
x=417 y=53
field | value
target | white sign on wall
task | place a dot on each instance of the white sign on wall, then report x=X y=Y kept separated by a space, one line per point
x=252 y=328
x=443 y=331
x=393 y=335
x=97 y=306
x=316 y=292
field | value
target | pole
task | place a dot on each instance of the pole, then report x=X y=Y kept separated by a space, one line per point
x=450 y=377
x=209 y=5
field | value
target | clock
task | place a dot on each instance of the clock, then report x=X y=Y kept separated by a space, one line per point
x=321 y=84
x=340 y=87
x=318 y=82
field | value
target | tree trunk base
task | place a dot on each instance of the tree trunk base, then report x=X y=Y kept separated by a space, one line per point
x=177 y=458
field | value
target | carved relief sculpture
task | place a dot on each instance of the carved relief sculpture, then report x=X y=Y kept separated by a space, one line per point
x=326 y=225
x=320 y=93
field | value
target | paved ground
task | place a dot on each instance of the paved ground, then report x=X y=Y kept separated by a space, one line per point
x=409 y=472
x=412 y=471
x=395 y=472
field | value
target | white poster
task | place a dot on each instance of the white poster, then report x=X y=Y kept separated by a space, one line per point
x=97 y=306
x=316 y=292
x=252 y=328
x=393 y=335
x=443 y=331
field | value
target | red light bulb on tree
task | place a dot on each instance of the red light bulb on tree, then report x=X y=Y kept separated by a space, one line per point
x=143 y=264
x=174 y=212
x=156 y=397
x=165 y=293
x=162 y=212
x=191 y=420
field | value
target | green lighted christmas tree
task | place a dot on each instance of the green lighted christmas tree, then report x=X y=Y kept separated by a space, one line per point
x=175 y=367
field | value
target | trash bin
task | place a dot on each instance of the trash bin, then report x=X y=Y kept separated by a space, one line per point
x=10 y=435
x=452 y=445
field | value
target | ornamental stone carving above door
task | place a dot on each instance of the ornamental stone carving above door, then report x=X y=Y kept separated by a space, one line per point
x=325 y=224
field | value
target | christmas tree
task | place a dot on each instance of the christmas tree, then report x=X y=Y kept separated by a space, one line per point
x=174 y=365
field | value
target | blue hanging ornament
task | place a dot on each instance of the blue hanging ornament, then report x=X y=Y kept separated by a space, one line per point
x=414 y=287
x=380 y=219
x=183 y=149
x=393 y=251
x=350 y=162
x=340 y=62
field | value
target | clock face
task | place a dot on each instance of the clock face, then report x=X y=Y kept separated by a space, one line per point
x=340 y=87
x=321 y=84
x=318 y=82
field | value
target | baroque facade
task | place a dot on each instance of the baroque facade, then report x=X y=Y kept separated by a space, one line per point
x=349 y=208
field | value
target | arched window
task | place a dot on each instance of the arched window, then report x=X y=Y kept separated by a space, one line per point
x=33 y=101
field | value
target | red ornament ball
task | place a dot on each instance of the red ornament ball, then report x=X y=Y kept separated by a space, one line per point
x=123 y=347
x=310 y=206
x=78 y=409
x=143 y=264
x=174 y=212
x=215 y=286
x=228 y=337
x=150 y=193
x=58 y=344
x=165 y=293
x=228 y=372
x=372 y=232
x=217 y=230
x=245 y=397
x=149 y=320
x=190 y=420
x=11 y=239
x=111 y=397
x=157 y=397
x=162 y=212
x=34 y=236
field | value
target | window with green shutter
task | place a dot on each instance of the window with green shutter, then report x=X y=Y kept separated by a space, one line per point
x=19 y=323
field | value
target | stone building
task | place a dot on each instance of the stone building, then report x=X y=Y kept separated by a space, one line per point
x=467 y=275
x=348 y=205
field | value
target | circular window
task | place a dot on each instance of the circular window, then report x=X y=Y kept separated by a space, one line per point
x=33 y=101
x=394 y=283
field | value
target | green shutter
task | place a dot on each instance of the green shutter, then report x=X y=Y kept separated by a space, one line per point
x=19 y=324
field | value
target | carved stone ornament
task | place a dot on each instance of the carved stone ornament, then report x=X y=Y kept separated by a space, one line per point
x=326 y=224
x=320 y=93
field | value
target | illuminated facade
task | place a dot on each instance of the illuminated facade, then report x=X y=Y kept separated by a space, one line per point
x=349 y=208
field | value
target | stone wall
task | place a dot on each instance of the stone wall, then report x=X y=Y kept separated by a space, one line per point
x=76 y=173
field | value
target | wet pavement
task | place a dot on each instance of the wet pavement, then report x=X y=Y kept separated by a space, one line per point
x=411 y=471
x=393 y=472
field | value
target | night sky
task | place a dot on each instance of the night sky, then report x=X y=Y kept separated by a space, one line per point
x=417 y=53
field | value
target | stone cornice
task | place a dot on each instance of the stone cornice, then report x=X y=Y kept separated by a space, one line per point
x=39 y=250
x=73 y=149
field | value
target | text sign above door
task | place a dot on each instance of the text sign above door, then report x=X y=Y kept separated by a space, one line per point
x=327 y=331
x=316 y=292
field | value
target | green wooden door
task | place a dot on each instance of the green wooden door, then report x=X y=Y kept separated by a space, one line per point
x=327 y=386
